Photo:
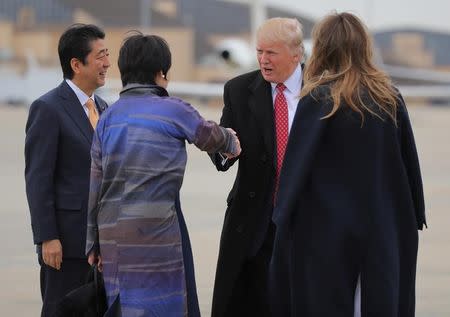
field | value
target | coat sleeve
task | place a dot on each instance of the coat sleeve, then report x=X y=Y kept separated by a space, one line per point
x=92 y=238
x=411 y=162
x=221 y=163
x=41 y=148
x=206 y=135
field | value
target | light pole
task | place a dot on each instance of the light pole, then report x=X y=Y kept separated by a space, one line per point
x=258 y=14
x=144 y=13
x=368 y=12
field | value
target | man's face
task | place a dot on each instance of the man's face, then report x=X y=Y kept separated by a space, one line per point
x=93 y=73
x=276 y=60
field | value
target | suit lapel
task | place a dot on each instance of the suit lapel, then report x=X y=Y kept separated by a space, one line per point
x=101 y=104
x=261 y=105
x=72 y=106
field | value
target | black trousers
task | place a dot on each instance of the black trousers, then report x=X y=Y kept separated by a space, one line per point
x=250 y=295
x=55 y=284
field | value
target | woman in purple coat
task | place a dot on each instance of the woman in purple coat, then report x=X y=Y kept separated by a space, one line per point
x=135 y=224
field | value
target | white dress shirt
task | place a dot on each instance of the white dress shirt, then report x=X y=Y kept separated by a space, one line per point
x=292 y=93
x=82 y=97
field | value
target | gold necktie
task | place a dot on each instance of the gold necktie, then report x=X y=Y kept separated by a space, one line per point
x=93 y=114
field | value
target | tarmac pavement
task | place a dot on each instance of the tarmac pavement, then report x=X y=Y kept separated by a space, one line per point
x=203 y=202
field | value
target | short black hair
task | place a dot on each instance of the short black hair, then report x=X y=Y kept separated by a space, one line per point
x=141 y=57
x=75 y=42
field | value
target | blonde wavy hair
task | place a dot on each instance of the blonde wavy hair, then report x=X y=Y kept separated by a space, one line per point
x=342 y=57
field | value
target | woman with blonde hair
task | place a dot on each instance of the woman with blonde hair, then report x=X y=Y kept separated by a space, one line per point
x=350 y=199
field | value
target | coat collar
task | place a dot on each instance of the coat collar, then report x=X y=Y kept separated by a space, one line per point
x=141 y=89
x=305 y=139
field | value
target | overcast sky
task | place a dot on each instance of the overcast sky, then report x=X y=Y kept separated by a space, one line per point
x=381 y=14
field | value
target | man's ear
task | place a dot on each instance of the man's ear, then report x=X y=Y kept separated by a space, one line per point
x=298 y=56
x=75 y=63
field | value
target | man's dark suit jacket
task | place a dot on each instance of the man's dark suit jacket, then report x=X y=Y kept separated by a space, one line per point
x=249 y=111
x=57 y=168
x=350 y=202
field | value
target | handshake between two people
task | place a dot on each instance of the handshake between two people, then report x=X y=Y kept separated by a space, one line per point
x=237 y=144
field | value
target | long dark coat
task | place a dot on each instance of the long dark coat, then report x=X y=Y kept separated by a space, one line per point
x=350 y=202
x=249 y=111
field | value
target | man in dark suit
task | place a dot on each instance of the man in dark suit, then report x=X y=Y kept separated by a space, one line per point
x=58 y=140
x=259 y=106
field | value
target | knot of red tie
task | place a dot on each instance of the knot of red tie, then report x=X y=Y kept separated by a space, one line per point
x=280 y=87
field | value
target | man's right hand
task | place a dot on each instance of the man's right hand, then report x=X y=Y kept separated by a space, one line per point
x=52 y=253
x=237 y=143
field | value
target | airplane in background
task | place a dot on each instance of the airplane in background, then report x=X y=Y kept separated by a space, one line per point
x=24 y=88
x=237 y=54
x=234 y=52
x=241 y=56
x=18 y=88
x=412 y=82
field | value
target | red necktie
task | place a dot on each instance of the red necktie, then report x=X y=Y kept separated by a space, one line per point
x=281 y=130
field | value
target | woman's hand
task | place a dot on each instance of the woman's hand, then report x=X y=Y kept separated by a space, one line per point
x=93 y=258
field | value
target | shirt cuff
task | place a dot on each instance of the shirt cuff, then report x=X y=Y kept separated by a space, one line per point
x=224 y=159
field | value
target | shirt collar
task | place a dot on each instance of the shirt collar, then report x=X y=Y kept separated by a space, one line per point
x=81 y=95
x=293 y=83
